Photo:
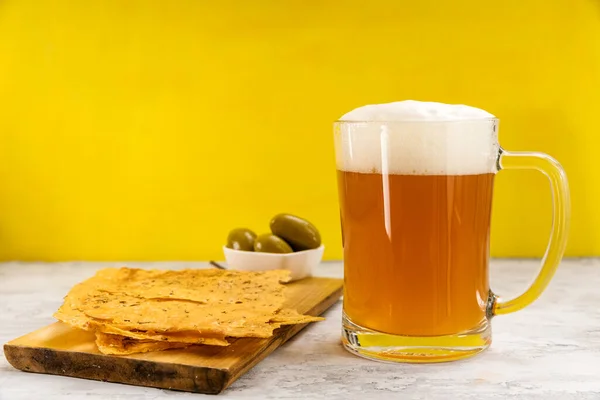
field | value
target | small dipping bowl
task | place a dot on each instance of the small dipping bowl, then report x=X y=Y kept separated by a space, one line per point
x=301 y=264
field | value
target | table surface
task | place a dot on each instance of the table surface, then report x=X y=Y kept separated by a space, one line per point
x=551 y=350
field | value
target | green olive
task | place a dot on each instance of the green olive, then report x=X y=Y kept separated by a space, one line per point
x=241 y=239
x=298 y=232
x=268 y=243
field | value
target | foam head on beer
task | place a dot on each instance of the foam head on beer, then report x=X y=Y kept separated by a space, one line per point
x=417 y=138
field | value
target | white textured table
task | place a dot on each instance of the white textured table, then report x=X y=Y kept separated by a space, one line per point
x=549 y=351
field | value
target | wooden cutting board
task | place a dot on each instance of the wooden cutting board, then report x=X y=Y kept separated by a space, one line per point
x=61 y=350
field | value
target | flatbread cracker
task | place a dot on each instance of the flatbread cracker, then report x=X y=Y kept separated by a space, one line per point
x=184 y=307
x=122 y=345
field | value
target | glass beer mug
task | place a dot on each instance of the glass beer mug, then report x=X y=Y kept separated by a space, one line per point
x=415 y=189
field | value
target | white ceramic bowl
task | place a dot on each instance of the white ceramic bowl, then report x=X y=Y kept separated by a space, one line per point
x=301 y=264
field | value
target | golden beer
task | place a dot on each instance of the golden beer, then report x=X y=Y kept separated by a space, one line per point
x=426 y=274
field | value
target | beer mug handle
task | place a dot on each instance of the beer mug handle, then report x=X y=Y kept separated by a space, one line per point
x=560 y=223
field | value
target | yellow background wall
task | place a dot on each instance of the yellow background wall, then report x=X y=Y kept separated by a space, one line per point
x=148 y=129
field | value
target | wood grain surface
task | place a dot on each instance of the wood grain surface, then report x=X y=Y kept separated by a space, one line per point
x=61 y=350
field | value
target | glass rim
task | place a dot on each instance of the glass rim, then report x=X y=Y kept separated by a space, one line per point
x=417 y=121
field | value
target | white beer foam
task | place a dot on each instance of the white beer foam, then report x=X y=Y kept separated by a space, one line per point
x=417 y=138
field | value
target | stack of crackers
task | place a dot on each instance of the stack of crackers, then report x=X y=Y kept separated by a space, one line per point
x=134 y=310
